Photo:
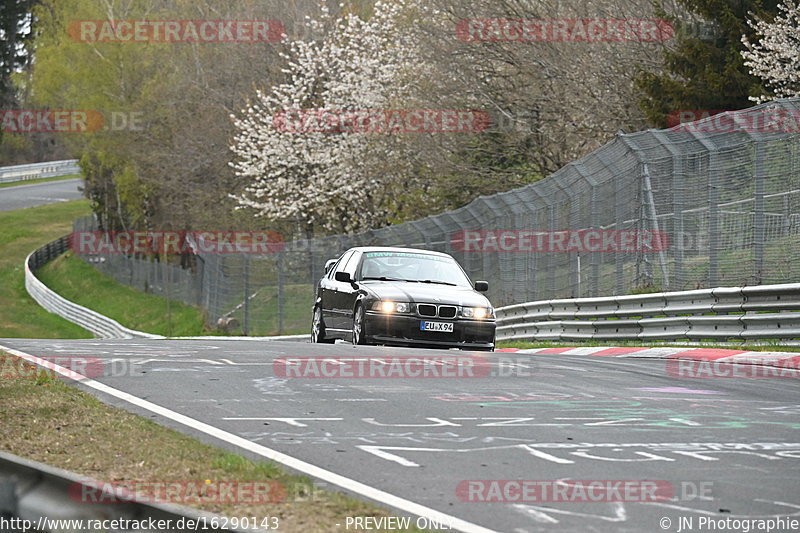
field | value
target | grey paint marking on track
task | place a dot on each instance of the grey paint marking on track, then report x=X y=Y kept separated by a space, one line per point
x=35 y=194
x=287 y=460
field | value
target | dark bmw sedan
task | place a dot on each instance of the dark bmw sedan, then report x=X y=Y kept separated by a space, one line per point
x=402 y=296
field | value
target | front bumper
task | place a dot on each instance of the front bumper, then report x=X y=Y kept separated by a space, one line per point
x=382 y=328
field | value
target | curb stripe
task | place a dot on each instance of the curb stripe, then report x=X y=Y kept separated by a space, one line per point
x=613 y=352
x=779 y=359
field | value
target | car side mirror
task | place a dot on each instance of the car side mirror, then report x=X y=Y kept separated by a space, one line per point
x=329 y=264
x=344 y=277
x=481 y=286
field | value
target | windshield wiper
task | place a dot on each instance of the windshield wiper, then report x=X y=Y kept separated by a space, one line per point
x=438 y=282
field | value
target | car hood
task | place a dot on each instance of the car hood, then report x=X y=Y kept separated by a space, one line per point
x=425 y=292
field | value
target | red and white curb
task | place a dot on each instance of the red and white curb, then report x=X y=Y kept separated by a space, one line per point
x=717 y=355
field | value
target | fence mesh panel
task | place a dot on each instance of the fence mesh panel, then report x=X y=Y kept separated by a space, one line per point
x=725 y=191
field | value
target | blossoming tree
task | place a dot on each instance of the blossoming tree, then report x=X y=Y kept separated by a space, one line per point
x=775 y=57
x=330 y=179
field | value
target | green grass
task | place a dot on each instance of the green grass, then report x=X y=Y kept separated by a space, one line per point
x=81 y=283
x=21 y=232
x=757 y=347
x=264 y=316
x=40 y=180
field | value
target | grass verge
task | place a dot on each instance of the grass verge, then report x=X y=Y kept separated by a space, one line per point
x=47 y=420
x=40 y=180
x=23 y=231
x=79 y=282
x=759 y=347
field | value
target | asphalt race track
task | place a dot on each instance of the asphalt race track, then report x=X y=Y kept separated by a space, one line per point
x=723 y=448
x=31 y=195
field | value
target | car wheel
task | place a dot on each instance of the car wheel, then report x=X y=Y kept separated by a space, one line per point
x=358 y=326
x=318 y=328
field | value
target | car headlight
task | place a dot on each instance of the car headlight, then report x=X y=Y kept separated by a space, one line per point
x=478 y=313
x=388 y=306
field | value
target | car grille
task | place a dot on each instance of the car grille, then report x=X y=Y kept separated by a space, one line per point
x=430 y=310
x=426 y=310
x=447 y=311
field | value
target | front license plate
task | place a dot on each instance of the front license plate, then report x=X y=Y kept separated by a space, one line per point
x=446 y=327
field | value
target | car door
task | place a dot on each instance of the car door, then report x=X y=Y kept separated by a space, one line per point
x=345 y=294
x=328 y=289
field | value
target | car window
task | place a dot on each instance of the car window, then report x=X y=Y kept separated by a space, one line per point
x=340 y=264
x=414 y=266
x=352 y=264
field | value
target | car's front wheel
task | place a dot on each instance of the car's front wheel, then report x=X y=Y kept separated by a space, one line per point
x=358 y=326
x=318 y=328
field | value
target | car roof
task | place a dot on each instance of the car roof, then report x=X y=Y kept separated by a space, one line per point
x=398 y=249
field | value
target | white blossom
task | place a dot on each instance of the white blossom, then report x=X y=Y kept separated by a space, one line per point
x=775 y=56
x=335 y=181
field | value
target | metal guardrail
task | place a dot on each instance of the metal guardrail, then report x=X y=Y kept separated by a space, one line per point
x=738 y=313
x=31 y=491
x=744 y=313
x=34 y=171
x=100 y=325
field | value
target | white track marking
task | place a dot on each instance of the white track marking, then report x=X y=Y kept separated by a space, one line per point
x=540 y=513
x=287 y=460
x=291 y=421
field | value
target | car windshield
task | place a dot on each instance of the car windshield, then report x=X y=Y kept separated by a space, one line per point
x=413 y=267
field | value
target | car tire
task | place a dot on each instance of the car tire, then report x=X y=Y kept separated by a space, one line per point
x=359 y=326
x=318 y=328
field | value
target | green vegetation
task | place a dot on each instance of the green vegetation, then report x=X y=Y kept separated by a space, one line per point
x=81 y=283
x=733 y=345
x=704 y=71
x=22 y=232
x=264 y=311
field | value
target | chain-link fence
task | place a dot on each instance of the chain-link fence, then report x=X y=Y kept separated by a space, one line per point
x=709 y=203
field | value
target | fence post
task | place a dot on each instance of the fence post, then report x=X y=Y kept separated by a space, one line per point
x=713 y=223
x=281 y=295
x=758 y=216
x=651 y=205
x=246 y=317
x=678 y=228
